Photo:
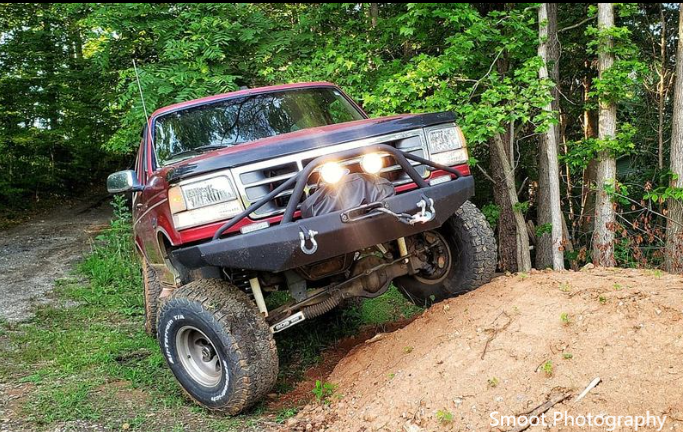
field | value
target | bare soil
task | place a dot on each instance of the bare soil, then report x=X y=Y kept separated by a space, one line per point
x=301 y=394
x=514 y=344
x=36 y=253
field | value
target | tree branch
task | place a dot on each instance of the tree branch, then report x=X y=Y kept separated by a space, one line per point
x=476 y=84
x=483 y=171
x=521 y=187
x=579 y=24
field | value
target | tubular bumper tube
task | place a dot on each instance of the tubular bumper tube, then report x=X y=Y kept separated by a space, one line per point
x=278 y=248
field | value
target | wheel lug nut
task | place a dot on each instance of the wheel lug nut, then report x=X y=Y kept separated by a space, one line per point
x=207 y=353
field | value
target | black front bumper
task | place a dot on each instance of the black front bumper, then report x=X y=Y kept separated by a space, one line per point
x=278 y=248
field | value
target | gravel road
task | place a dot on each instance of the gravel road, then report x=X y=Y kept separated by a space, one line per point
x=33 y=255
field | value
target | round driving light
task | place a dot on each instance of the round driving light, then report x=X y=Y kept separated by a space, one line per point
x=372 y=163
x=331 y=172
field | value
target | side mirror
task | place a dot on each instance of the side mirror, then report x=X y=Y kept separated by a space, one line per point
x=123 y=181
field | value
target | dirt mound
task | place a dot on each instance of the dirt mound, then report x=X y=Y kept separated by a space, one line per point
x=513 y=345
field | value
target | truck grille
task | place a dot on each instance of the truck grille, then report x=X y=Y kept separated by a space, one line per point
x=257 y=180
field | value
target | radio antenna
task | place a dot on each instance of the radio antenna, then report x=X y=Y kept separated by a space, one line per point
x=142 y=97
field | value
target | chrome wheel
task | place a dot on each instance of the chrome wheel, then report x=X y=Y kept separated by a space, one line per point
x=198 y=356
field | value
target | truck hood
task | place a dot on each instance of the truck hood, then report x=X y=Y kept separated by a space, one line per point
x=296 y=142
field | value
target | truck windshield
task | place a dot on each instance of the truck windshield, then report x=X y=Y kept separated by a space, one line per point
x=186 y=133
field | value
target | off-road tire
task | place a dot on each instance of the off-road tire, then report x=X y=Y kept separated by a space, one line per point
x=473 y=259
x=152 y=291
x=238 y=333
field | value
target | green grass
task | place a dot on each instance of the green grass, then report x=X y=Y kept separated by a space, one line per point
x=387 y=308
x=86 y=356
x=285 y=413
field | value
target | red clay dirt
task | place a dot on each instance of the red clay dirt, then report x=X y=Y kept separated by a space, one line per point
x=512 y=345
x=301 y=394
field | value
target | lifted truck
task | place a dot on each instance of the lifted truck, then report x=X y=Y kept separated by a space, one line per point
x=291 y=188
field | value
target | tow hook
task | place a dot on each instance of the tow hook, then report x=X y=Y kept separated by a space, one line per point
x=304 y=236
x=425 y=215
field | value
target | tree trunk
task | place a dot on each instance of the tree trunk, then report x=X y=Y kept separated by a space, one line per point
x=549 y=250
x=674 y=225
x=507 y=237
x=660 y=88
x=590 y=130
x=374 y=12
x=603 y=236
x=512 y=233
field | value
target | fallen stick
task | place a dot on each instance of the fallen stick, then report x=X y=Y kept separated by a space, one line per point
x=496 y=331
x=541 y=409
x=376 y=338
x=590 y=387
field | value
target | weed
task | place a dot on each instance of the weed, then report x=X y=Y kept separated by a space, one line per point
x=408 y=349
x=523 y=275
x=564 y=317
x=323 y=391
x=565 y=287
x=656 y=273
x=391 y=376
x=493 y=382
x=444 y=416
x=617 y=287
x=567 y=356
x=286 y=413
x=602 y=299
x=548 y=368
x=492 y=214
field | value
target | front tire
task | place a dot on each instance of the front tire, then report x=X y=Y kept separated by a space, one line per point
x=152 y=291
x=217 y=345
x=470 y=254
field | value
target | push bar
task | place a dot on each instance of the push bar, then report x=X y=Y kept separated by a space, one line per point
x=300 y=180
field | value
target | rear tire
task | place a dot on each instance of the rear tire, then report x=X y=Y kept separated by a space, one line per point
x=472 y=259
x=217 y=345
x=152 y=291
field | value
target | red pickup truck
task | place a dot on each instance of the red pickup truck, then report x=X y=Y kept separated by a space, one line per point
x=291 y=188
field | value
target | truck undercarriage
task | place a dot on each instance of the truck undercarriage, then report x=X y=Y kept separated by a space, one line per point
x=366 y=247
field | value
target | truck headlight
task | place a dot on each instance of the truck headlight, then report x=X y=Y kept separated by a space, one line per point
x=202 y=202
x=447 y=145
